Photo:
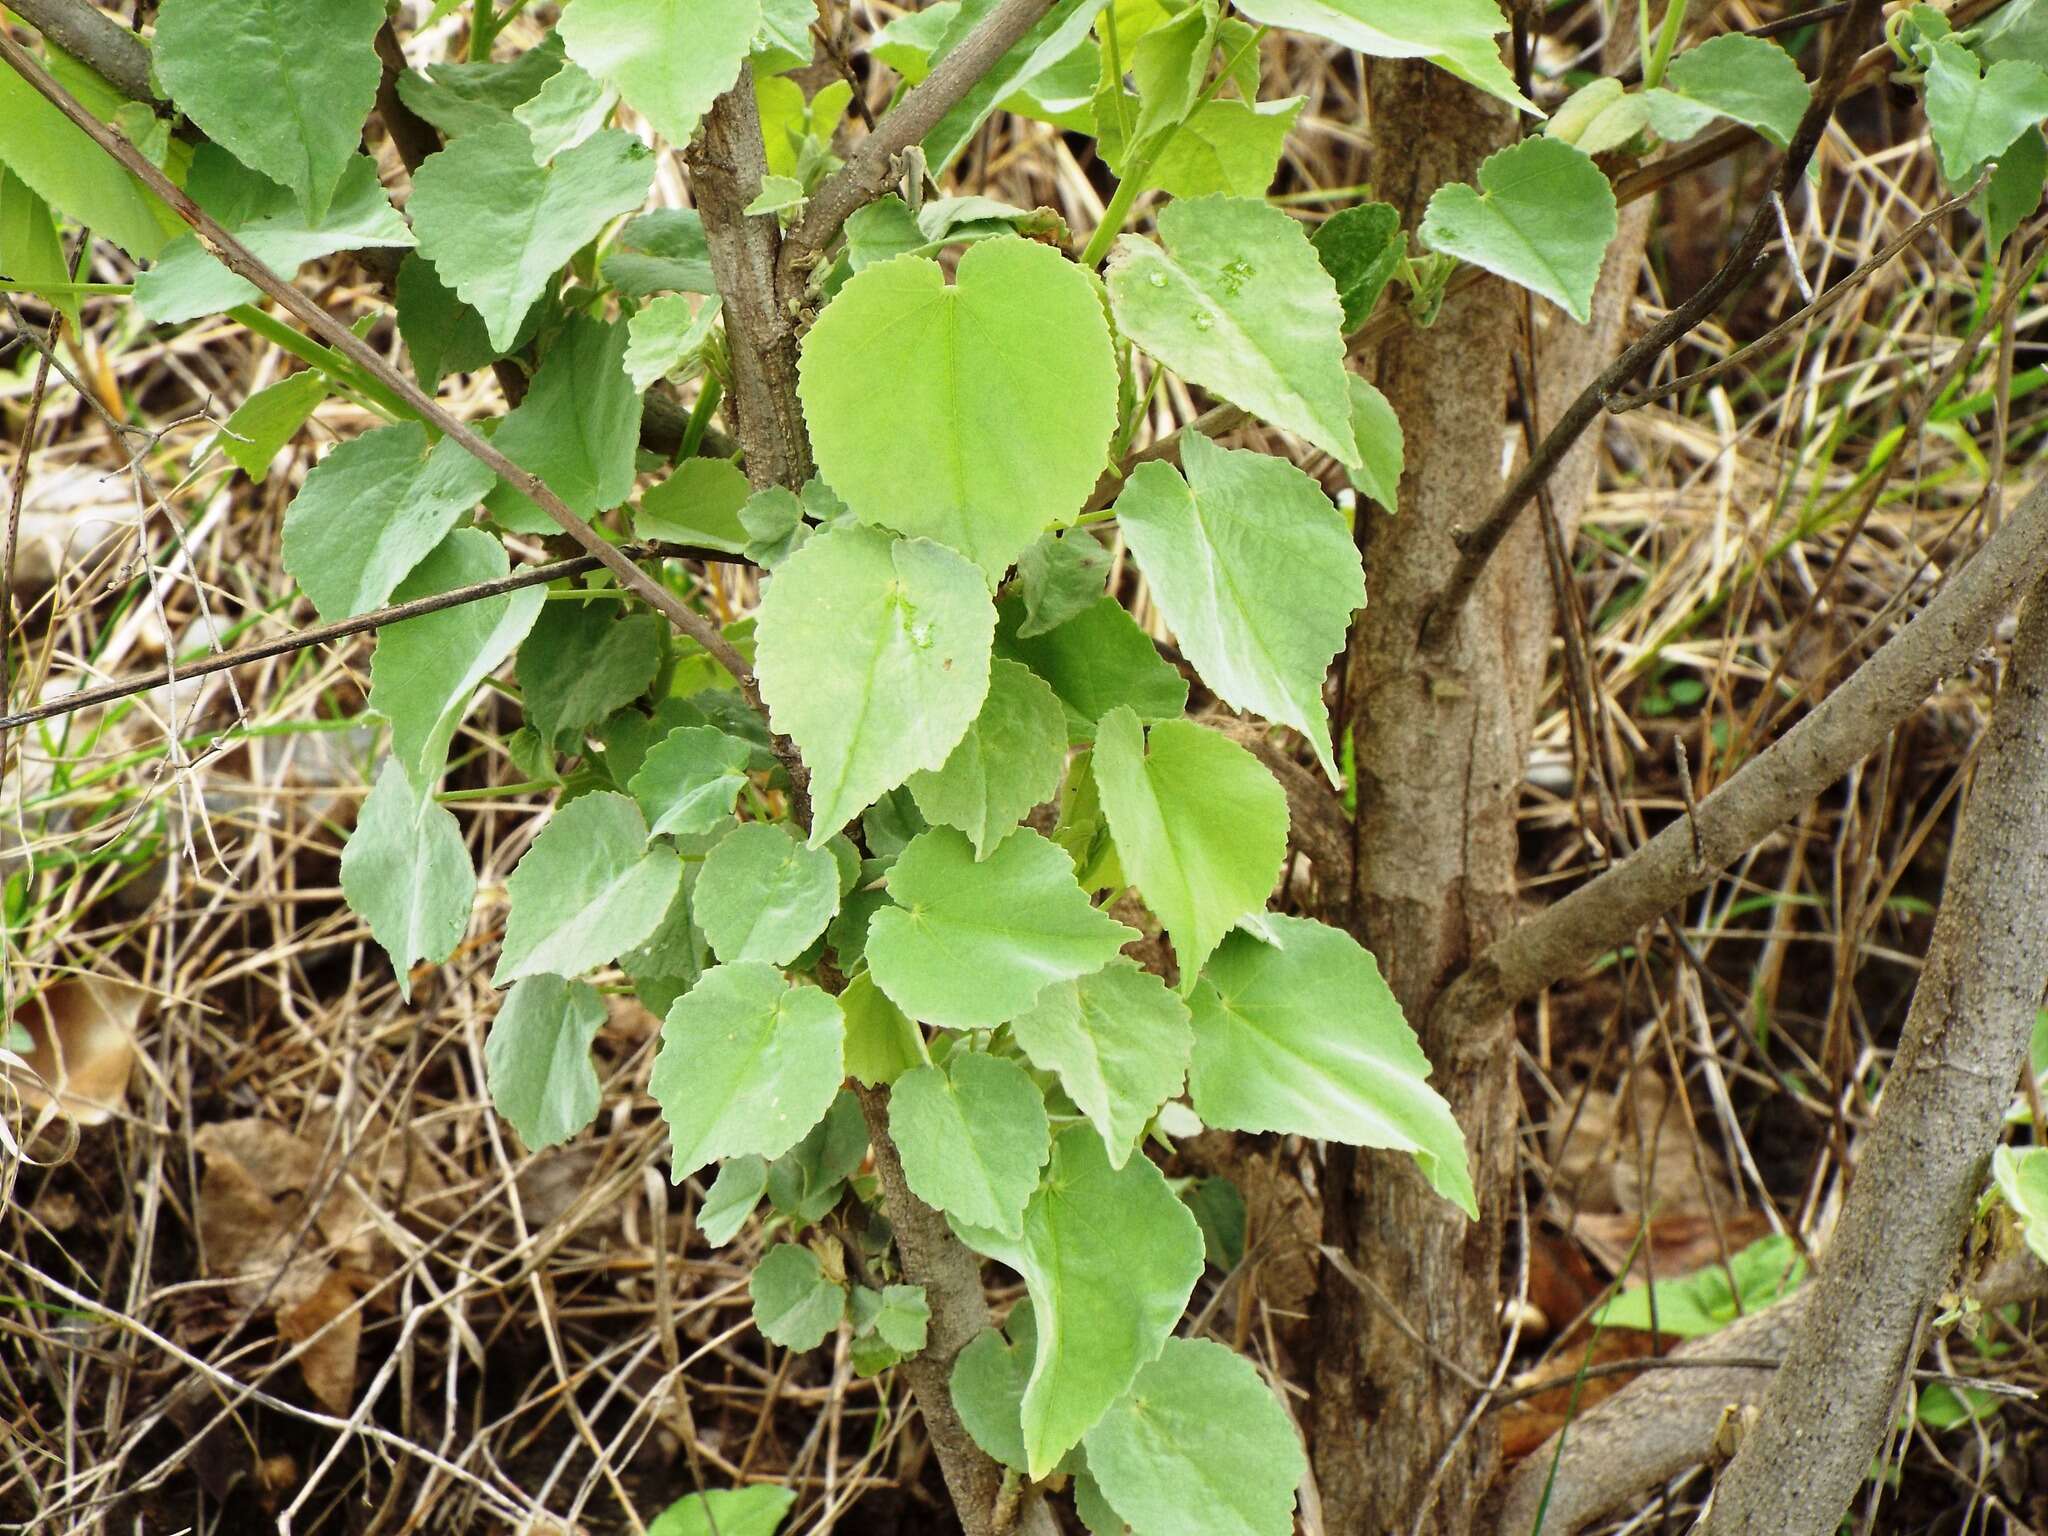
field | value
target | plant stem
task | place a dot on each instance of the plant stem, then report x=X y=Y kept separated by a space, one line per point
x=1667 y=39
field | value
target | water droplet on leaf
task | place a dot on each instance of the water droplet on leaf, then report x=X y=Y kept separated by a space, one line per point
x=1158 y=279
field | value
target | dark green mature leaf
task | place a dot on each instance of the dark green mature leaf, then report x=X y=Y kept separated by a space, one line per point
x=406 y=872
x=371 y=510
x=55 y=160
x=461 y=98
x=538 y=1058
x=1542 y=216
x=589 y=889
x=794 y=1304
x=1103 y=1309
x=582 y=663
x=497 y=227
x=443 y=334
x=1262 y=636
x=188 y=280
x=1234 y=299
x=661 y=252
x=699 y=505
x=972 y=1136
x=1381 y=445
x=1095 y=661
x=748 y=1064
x=1361 y=248
x=426 y=670
x=670 y=59
x=1009 y=760
x=2015 y=190
x=578 y=428
x=1018 y=337
x=971 y=945
x=763 y=895
x=284 y=86
x=1200 y=871
x=1118 y=1041
x=1296 y=1032
x=1198 y=1447
x=873 y=656
x=807 y=1180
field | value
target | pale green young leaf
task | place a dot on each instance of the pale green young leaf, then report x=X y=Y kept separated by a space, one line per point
x=55 y=160
x=268 y=419
x=578 y=428
x=764 y=895
x=589 y=889
x=564 y=112
x=1118 y=1042
x=1542 y=216
x=1254 y=571
x=667 y=336
x=1095 y=661
x=283 y=86
x=1199 y=870
x=690 y=779
x=1296 y=1032
x=1457 y=35
x=1975 y=113
x=670 y=59
x=1009 y=760
x=1097 y=1517
x=1361 y=248
x=794 y=1304
x=31 y=253
x=874 y=658
x=2021 y=1176
x=426 y=670
x=1229 y=148
x=1060 y=576
x=806 y=1182
x=973 y=1135
x=1234 y=299
x=899 y=1314
x=1604 y=114
x=1748 y=79
x=881 y=1042
x=537 y=1057
x=406 y=872
x=661 y=252
x=778 y=194
x=582 y=663
x=1103 y=1309
x=971 y=945
x=751 y=1511
x=1691 y=1306
x=784 y=39
x=1018 y=337
x=731 y=1198
x=188 y=280
x=698 y=505
x=1200 y=1446
x=1381 y=447
x=988 y=1384
x=371 y=510
x=497 y=227
x=748 y=1064
x=471 y=97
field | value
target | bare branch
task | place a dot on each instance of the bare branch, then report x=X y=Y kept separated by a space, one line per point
x=1843 y=728
x=86 y=32
x=868 y=174
x=238 y=259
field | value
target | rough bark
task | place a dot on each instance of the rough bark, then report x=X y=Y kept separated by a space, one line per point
x=1837 y=1395
x=726 y=164
x=1438 y=758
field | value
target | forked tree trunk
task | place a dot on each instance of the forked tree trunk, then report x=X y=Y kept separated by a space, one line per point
x=1441 y=746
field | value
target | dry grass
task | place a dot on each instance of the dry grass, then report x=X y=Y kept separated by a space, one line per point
x=299 y=1270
